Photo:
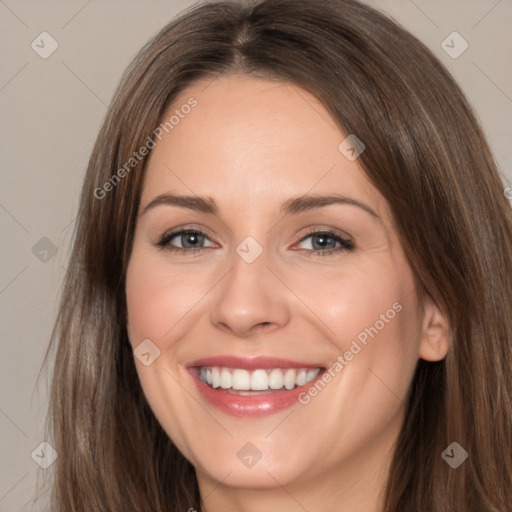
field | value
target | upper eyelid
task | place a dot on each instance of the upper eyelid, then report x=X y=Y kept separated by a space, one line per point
x=202 y=230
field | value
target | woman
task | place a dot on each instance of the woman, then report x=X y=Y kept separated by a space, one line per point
x=290 y=284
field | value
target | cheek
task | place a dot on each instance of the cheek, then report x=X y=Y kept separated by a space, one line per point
x=369 y=316
x=373 y=328
x=362 y=303
x=157 y=297
x=145 y=304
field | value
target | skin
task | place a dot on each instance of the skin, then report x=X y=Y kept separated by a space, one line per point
x=251 y=145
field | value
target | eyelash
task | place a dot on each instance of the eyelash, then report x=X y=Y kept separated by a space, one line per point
x=346 y=245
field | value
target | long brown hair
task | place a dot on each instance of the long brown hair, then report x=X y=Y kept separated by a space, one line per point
x=425 y=153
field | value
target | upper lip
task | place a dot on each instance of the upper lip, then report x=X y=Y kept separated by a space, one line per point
x=250 y=363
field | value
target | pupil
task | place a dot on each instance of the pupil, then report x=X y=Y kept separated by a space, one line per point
x=191 y=239
x=322 y=240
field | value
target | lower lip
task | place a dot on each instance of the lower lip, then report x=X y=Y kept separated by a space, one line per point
x=250 y=406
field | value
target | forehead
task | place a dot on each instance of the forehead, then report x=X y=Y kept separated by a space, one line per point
x=256 y=140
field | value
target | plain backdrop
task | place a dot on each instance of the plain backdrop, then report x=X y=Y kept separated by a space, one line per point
x=51 y=109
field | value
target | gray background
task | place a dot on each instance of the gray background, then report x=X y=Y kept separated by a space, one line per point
x=51 y=110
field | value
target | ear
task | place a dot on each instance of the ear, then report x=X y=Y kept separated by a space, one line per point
x=435 y=333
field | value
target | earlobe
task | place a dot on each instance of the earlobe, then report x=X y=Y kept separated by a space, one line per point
x=435 y=334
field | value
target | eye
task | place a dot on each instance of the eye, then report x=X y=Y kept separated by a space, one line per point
x=191 y=241
x=325 y=243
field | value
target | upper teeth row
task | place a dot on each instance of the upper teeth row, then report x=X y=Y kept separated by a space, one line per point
x=257 y=380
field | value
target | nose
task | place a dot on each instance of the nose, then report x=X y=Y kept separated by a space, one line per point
x=250 y=299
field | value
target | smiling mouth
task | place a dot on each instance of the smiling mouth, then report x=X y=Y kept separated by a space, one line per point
x=244 y=382
x=252 y=387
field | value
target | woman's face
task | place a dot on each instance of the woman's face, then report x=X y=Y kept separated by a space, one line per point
x=300 y=313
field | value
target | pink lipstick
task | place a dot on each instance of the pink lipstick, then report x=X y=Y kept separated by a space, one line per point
x=252 y=387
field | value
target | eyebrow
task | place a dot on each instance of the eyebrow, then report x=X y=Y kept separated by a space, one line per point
x=290 y=207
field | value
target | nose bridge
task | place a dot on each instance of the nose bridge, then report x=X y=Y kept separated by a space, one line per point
x=249 y=295
x=250 y=262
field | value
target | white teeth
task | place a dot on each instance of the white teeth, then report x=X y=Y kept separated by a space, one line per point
x=225 y=379
x=301 y=377
x=276 y=379
x=241 y=379
x=289 y=378
x=258 y=380
x=312 y=374
x=215 y=377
